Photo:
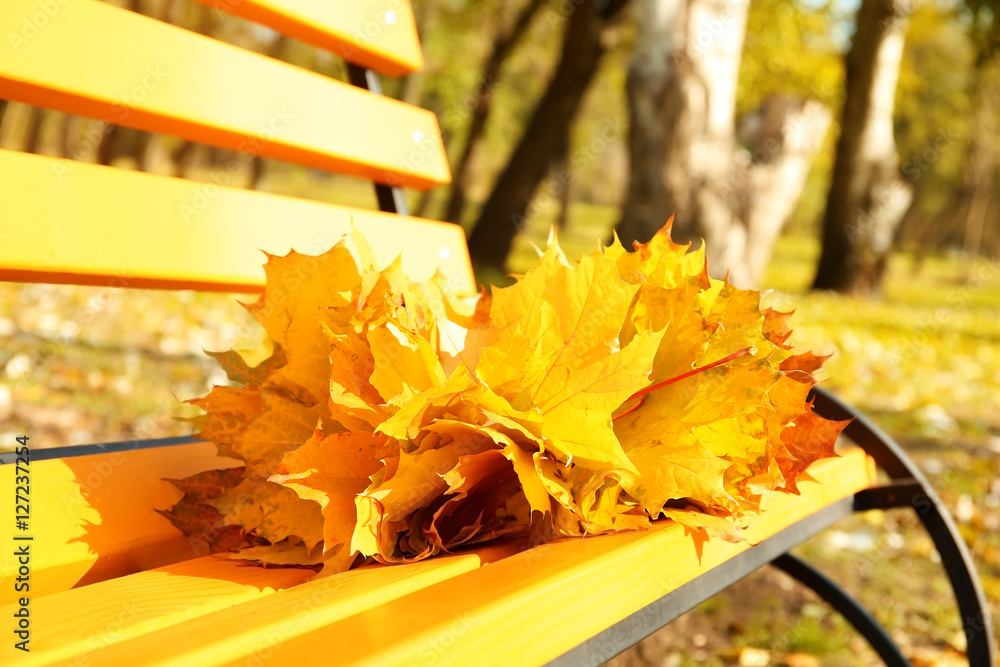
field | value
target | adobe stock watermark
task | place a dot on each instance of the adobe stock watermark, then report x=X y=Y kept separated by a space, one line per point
x=248 y=149
x=581 y=158
x=895 y=198
x=456 y=116
x=915 y=167
x=152 y=77
x=982 y=273
x=432 y=649
x=708 y=30
x=113 y=632
x=902 y=10
x=32 y=24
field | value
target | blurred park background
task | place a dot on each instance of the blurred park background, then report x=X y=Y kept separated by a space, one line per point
x=841 y=153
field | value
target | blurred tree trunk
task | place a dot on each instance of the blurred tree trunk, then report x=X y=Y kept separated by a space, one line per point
x=203 y=20
x=426 y=20
x=503 y=45
x=105 y=150
x=867 y=198
x=561 y=171
x=64 y=144
x=19 y=127
x=34 y=130
x=274 y=50
x=684 y=156
x=504 y=211
x=981 y=167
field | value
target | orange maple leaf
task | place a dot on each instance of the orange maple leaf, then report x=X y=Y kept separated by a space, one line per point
x=395 y=421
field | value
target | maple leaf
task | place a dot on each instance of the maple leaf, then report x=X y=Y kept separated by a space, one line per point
x=239 y=372
x=332 y=470
x=199 y=520
x=556 y=351
x=808 y=438
x=394 y=420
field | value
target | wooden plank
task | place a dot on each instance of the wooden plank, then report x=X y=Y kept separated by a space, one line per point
x=524 y=609
x=61 y=224
x=255 y=627
x=97 y=60
x=94 y=617
x=378 y=34
x=536 y=605
x=93 y=518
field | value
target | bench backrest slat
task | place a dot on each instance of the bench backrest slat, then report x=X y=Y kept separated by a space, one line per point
x=98 y=225
x=378 y=34
x=97 y=60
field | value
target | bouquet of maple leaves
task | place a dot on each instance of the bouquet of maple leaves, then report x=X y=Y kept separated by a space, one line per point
x=394 y=421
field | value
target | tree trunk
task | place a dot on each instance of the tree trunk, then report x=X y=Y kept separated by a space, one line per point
x=34 y=131
x=503 y=45
x=504 y=212
x=426 y=20
x=275 y=50
x=16 y=128
x=684 y=155
x=561 y=171
x=658 y=124
x=867 y=198
x=980 y=168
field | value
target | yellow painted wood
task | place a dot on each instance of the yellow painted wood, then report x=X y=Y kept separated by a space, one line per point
x=93 y=517
x=378 y=34
x=254 y=629
x=94 y=617
x=523 y=608
x=536 y=605
x=93 y=59
x=69 y=222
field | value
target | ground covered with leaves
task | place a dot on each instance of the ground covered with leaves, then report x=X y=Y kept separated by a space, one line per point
x=89 y=364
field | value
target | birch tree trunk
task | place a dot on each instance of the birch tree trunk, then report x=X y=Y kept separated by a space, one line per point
x=867 y=198
x=685 y=158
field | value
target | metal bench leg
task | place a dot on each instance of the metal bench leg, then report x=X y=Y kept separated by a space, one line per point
x=848 y=607
x=390 y=198
x=909 y=488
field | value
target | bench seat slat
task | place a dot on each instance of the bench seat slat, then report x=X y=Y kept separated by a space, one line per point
x=538 y=604
x=94 y=617
x=378 y=34
x=93 y=518
x=97 y=60
x=254 y=627
x=527 y=608
x=86 y=224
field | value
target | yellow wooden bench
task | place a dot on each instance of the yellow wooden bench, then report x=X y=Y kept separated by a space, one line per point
x=112 y=581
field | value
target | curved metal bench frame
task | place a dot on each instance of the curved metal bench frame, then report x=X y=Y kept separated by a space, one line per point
x=907 y=488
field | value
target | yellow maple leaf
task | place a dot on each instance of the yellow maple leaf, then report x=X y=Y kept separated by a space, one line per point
x=396 y=421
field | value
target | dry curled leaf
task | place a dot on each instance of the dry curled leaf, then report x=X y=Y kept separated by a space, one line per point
x=395 y=421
